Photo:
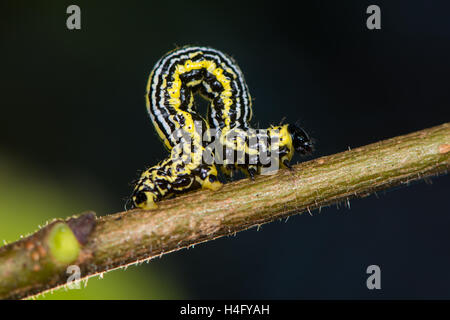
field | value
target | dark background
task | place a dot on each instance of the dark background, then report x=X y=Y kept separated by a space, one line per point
x=72 y=104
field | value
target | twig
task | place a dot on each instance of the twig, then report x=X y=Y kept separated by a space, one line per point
x=38 y=263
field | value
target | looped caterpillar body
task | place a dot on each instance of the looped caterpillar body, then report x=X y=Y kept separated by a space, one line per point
x=172 y=84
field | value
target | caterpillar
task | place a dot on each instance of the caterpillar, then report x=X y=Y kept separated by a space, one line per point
x=174 y=81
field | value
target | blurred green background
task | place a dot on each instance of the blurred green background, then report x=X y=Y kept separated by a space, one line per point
x=74 y=133
x=48 y=198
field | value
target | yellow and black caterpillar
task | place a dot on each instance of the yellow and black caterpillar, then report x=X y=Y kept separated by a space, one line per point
x=172 y=84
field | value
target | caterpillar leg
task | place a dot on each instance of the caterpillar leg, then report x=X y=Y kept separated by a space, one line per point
x=252 y=171
x=286 y=164
x=228 y=171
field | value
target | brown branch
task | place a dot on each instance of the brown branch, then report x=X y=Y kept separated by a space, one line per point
x=38 y=263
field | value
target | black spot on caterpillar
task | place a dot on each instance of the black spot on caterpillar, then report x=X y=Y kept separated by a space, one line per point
x=172 y=84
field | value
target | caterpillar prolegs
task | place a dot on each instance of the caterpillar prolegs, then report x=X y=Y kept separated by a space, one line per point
x=172 y=84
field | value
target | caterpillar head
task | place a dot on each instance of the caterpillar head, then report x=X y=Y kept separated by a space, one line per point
x=300 y=139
